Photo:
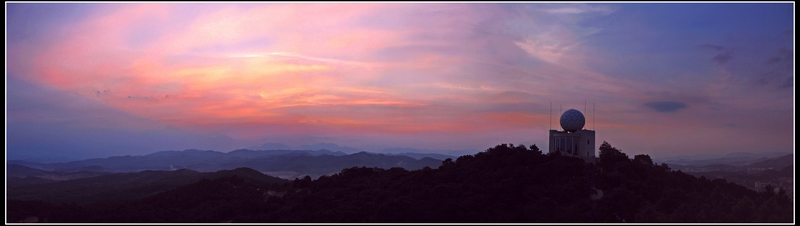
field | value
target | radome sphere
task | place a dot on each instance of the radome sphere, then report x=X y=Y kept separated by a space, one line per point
x=572 y=120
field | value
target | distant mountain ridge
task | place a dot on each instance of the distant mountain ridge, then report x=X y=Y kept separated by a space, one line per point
x=771 y=170
x=733 y=159
x=283 y=163
x=270 y=146
x=424 y=155
x=21 y=171
x=775 y=163
x=420 y=153
x=411 y=152
x=164 y=160
x=310 y=147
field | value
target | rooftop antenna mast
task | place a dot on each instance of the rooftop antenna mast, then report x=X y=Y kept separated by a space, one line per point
x=551 y=115
x=593 y=111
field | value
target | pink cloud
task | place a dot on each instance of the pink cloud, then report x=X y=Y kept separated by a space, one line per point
x=298 y=68
x=459 y=71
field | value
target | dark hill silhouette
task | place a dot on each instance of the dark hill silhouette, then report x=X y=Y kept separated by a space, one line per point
x=506 y=183
x=123 y=186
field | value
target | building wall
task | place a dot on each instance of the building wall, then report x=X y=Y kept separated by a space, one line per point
x=551 y=141
x=555 y=141
x=587 y=148
x=585 y=142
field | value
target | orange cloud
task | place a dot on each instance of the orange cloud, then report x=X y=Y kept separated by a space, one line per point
x=309 y=65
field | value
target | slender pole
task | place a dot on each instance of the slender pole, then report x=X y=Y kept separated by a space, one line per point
x=551 y=115
x=593 y=111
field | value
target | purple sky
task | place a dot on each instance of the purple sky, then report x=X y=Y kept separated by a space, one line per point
x=669 y=79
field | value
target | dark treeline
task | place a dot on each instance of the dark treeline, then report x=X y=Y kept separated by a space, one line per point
x=506 y=183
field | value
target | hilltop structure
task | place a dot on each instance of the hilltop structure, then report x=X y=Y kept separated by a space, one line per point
x=574 y=140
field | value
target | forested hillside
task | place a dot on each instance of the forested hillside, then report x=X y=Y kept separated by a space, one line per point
x=505 y=183
x=122 y=186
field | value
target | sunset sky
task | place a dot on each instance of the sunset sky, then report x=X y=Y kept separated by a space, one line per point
x=97 y=80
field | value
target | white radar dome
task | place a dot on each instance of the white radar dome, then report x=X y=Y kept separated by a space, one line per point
x=572 y=120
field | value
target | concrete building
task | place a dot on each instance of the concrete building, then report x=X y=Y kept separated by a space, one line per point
x=573 y=140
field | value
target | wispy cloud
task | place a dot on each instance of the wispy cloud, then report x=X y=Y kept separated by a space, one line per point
x=579 y=8
x=446 y=75
x=665 y=106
